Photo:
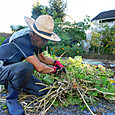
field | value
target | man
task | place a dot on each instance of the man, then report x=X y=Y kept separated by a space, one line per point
x=15 y=74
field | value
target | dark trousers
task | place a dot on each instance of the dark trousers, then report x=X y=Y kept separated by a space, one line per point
x=19 y=75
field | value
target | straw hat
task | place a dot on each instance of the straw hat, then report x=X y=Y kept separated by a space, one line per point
x=43 y=26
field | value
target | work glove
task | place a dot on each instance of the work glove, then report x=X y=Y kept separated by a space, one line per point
x=60 y=66
x=56 y=71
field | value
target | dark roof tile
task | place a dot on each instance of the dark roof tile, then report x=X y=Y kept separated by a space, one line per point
x=106 y=15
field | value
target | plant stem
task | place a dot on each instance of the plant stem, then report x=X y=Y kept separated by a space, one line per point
x=85 y=102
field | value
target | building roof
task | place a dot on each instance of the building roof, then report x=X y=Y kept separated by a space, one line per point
x=106 y=15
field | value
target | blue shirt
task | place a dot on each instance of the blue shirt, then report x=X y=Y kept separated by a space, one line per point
x=18 y=50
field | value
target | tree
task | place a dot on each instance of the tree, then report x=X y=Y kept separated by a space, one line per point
x=38 y=10
x=57 y=8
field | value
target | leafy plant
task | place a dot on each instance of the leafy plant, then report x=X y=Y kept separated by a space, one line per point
x=2 y=39
x=103 y=40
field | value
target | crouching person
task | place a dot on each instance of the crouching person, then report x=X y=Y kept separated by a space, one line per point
x=16 y=74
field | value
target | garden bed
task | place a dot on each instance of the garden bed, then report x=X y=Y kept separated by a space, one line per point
x=83 y=84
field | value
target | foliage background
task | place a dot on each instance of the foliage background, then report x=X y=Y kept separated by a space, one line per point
x=73 y=34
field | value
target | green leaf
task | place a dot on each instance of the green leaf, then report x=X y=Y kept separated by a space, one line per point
x=95 y=93
x=77 y=101
x=4 y=107
x=97 y=82
x=55 y=103
x=107 y=83
x=81 y=76
x=69 y=98
x=66 y=104
x=97 y=87
x=83 y=107
x=74 y=100
x=48 y=80
x=104 y=89
x=104 y=79
x=111 y=88
x=53 y=56
x=110 y=97
x=90 y=93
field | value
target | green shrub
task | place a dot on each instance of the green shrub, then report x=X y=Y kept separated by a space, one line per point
x=67 y=50
x=103 y=41
x=2 y=39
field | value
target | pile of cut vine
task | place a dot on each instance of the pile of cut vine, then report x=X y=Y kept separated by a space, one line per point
x=83 y=84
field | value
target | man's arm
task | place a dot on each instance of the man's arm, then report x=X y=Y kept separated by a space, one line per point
x=45 y=60
x=50 y=61
x=39 y=66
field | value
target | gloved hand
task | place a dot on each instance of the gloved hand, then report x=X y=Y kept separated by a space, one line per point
x=56 y=70
x=59 y=65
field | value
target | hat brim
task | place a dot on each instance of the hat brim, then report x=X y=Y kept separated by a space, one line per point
x=53 y=37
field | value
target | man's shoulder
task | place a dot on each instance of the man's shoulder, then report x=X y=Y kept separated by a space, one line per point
x=23 y=39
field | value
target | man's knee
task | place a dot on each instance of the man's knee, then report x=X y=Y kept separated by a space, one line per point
x=25 y=67
x=28 y=66
x=20 y=74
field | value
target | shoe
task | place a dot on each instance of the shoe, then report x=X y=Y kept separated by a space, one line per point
x=11 y=101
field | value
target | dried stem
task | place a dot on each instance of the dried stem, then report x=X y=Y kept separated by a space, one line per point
x=50 y=105
x=94 y=89
x=85 y=102
x=51 y=87
x=41 y=84
x=62 y=54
